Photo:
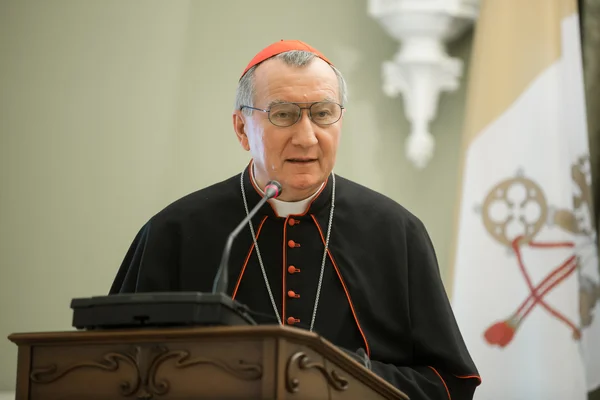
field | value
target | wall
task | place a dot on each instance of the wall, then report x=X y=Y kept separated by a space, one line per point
x=111 y=109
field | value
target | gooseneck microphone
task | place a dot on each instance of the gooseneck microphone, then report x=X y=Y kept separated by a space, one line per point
x=272 y=190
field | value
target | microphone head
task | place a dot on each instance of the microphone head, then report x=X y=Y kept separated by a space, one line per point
x=273 y=189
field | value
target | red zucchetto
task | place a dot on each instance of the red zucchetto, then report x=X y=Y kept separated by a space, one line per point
x=281 y=47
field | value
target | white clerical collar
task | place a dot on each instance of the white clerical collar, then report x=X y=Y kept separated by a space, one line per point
x=285 y=208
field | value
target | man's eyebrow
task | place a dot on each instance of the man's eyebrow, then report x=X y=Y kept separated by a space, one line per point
x=279 y=101
x=276 y=101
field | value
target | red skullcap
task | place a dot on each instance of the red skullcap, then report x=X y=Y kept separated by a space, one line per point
x=281 y=47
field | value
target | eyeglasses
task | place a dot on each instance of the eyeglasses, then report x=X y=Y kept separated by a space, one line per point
x=287 y=114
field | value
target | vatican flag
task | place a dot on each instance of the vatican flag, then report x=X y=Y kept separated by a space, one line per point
x=525 y=276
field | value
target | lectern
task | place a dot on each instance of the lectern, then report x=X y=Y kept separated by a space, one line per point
x=220 y=362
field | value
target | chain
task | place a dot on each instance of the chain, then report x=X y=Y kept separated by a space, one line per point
x=262 y=267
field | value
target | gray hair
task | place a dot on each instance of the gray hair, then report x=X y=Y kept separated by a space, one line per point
x=244 y=95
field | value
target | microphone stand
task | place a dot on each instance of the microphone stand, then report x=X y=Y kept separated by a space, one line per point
x=272 y=190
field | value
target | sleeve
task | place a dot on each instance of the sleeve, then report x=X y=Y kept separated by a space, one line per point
x=441 y=367
x=420 y=383
x=427 y=383
x=151 y=263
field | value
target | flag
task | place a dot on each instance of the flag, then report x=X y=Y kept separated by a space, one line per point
x=525 y=271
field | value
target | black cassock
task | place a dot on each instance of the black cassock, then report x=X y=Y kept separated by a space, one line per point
x=381 y=288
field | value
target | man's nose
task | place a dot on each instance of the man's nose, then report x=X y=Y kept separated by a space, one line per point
x=304 y=131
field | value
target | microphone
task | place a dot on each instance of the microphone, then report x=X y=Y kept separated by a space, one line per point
x=272 y=190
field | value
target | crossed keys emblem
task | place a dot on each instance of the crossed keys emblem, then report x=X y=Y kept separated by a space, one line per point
x=521 y=198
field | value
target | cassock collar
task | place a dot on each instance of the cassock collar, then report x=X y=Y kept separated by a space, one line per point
x=320 y=202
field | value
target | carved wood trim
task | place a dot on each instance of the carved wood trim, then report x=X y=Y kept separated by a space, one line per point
x=334 y=379
x=147 y=360
x=109 y=363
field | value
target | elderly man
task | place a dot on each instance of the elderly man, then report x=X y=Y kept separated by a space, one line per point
x=328 y=254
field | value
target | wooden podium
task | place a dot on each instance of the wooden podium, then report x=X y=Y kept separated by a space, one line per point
x=256 y=362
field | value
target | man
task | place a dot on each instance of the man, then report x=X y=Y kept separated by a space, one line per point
x=327 y=255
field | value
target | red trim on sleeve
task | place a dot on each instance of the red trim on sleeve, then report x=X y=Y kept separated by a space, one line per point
x=443 y=381
x=469 y=377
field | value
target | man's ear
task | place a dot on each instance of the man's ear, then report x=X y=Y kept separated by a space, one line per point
x=239 y=125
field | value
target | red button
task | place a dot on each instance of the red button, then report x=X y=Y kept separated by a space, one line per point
x=292 y=221
x=291 y=243
x=292 y=269
x=292 y=320
x=293 y=294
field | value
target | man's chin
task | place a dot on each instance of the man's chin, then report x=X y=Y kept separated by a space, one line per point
x=305 y=185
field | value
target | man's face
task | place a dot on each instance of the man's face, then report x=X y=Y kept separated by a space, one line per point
x=301 y=156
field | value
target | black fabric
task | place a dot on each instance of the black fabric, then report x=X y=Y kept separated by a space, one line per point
x=380 y=255
x=359 y=356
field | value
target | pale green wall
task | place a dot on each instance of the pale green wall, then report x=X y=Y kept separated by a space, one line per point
x=111 y=109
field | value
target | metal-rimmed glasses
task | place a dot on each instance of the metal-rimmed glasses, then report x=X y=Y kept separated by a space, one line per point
x=287 y=114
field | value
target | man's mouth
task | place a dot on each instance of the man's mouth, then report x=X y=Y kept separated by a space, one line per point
x=302 y=160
